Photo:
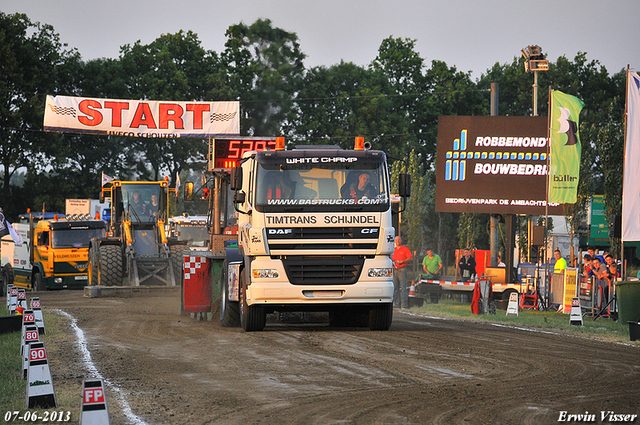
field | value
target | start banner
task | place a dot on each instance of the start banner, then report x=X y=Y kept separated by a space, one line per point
x=141 y=118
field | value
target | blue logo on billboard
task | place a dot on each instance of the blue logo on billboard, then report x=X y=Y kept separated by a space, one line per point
x=463 y=157
x=456 y=164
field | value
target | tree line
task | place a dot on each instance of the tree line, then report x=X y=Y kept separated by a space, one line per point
x=394 y=102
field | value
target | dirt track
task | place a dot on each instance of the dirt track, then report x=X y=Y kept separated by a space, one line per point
x=171 y=369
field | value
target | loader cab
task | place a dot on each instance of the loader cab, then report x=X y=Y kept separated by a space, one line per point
x=141 y=203
x=136 y=245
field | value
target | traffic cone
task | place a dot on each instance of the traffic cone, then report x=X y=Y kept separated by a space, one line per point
x=412 y=289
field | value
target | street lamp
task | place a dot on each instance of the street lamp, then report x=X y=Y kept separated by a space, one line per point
x=535 y=62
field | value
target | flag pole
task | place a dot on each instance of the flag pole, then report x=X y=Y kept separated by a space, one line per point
x=624 y=160
x=546 y=203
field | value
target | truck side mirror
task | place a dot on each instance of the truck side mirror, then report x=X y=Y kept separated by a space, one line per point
x=239 y=198
x=404 y=185
x=188 y=191
x=236 y=178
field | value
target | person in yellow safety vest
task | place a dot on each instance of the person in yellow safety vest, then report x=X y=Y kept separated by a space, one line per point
x=561 y=263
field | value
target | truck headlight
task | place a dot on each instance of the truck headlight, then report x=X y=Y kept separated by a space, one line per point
x=265 y=273
x=380 y=272
x=57 y=280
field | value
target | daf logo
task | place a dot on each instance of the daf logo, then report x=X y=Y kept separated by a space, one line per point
x=280 y=231
x=369 y=231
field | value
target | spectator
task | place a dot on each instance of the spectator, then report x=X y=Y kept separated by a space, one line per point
x=599 y=269
x=592 y=252
x=561 y=263
x=601 y=274
x=610 y=261
x=401 y=258
x=432 y=264
x=500 y=262
x=613 y=272
x=467 y=266
x=586 y=267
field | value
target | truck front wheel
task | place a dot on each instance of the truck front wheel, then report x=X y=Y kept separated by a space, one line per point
x=380 y=317
x=229 y=310
x=38 y=283
x=252 y=317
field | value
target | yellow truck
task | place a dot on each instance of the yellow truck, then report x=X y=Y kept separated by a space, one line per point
x=54 y=253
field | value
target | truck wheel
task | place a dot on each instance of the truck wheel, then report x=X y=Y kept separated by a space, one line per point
x=177 y=262
x=38 y=283
x=507 y=294
x=380 y=317
x=229 y=310
x=252 y=317
x=111 y=266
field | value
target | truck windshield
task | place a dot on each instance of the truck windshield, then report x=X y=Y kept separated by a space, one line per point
x=142 y=202
x=309 y=186
x=74 y=238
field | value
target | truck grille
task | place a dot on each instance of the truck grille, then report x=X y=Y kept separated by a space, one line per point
x=323 y=270
x=333 y=238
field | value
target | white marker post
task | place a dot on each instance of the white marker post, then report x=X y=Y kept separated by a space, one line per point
x=34 y=304
x=8 y=294
x=30 y=335
x=512 y=308
x=28 y=319
x=94 y=403
x=39 y=386
x=576 y=313
x=13 y=303
x=21 y=298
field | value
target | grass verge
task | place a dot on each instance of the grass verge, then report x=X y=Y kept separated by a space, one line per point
x=13 y=388
x=602 y=328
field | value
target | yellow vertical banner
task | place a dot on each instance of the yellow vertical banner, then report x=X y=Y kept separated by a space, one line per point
x=564 y=162
x=570 y=285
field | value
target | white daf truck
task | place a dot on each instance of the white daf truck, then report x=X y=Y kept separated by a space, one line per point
x=315 y=233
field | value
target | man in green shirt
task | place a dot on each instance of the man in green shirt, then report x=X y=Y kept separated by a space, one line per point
x=431 y=265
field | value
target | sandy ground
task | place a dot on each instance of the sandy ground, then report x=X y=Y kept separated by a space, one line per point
x=166 y=368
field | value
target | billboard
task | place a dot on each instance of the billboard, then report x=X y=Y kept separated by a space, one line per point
x=495 y=165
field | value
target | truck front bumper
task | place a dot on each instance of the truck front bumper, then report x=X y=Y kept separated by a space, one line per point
x=278 y=290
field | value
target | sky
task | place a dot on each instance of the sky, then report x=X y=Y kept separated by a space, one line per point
x=471 y=35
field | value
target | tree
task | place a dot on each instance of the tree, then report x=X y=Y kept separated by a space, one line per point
x=266 y=62
x=414 y=216
x=344 y=101
x=32 y=64
x=173 y=67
